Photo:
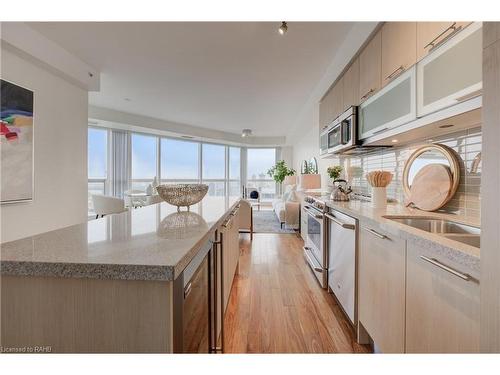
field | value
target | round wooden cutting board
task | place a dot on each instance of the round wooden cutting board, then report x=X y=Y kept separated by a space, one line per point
x=430 y=187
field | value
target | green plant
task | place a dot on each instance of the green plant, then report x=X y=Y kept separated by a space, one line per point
x=334 y=172
x=280 y=171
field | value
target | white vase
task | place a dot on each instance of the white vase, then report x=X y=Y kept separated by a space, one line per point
x=379 y=197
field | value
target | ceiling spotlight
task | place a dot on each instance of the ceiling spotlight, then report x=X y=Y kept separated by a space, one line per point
x=246 y=133
x=283 y=28
x=394 y=141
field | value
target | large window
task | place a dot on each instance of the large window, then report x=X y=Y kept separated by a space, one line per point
x=234 y=184
x=97 y=163
x=179 y=160
x=145 y=157
x=259 y=160
x=214 y=168
x=144 y=160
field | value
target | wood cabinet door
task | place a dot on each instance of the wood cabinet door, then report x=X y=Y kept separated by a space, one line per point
x=442 y=309
x=430 y=34
x=381 y=301
x=350 y=86
x=370 y=60
x=231 y=253
x=323 y=114
x=399 y=40
x=337 y=99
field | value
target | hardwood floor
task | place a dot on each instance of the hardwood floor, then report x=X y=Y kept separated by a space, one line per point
x=277 y=306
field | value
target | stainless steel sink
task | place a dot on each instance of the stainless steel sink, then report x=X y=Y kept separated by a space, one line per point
x=455 y=231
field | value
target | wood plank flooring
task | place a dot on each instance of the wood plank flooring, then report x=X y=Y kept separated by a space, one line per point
x=277 y=306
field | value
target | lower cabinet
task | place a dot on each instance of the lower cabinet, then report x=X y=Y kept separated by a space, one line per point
x=382 y=288
x=442 y=306
x=412 y=300
x=231 y=253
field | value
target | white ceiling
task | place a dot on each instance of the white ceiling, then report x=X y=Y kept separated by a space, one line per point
x=223 y=76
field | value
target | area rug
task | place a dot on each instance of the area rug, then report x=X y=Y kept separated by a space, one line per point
x=266 y=222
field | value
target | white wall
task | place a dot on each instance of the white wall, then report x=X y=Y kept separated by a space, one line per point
x=60 y=151
x=304 y=136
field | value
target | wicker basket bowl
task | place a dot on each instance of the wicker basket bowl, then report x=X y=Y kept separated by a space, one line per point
x=182 y=195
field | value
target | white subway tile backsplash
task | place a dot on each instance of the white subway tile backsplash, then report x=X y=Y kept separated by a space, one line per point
x=467 y=144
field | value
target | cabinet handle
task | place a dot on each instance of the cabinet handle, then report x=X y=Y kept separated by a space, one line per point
x=377 y=234
x=396 y=73
x=437 y=263
x=471 y=95
x=381 y=130
x=187 y=291
x=433 y=45
x=338 y=222
x=367 y=94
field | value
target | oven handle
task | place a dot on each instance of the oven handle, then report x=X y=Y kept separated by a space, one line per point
x=310 y=261
x=337 y=221
x=310 y=212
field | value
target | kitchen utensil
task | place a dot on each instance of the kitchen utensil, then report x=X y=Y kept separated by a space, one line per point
x=430 y=187
x=379 y=178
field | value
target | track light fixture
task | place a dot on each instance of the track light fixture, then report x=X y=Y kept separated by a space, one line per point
x=283 y=28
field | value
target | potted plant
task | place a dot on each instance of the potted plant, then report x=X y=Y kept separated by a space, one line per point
x=279 y=172
x=334 y=172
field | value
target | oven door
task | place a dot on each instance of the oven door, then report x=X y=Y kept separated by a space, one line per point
x=314 y=250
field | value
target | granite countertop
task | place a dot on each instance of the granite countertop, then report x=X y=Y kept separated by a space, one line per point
x=149 y=243
x=458 y=252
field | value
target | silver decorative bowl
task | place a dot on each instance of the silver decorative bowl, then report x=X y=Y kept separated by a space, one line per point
x=182 y=195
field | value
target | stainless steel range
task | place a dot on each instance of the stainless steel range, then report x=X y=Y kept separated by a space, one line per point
x=315 y=250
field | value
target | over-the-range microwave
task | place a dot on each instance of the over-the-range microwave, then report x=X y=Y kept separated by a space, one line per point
x=341 y=135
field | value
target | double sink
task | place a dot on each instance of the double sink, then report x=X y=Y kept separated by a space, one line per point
x=463 y=233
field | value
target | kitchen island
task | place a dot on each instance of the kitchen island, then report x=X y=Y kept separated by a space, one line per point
x=115 y=284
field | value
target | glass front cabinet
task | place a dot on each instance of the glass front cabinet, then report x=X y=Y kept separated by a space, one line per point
x=452 y=73
x=392 y=106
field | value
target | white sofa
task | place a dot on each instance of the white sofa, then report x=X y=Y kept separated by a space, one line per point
x=287 y=208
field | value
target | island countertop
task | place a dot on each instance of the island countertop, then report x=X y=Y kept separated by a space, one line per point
x=150 y=243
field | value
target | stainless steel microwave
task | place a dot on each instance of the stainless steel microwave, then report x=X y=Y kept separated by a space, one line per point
x=343 y=134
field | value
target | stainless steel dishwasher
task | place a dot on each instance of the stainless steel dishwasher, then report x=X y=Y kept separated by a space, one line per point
x=342 y=239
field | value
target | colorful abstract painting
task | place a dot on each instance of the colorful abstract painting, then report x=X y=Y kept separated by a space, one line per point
x=16 y=142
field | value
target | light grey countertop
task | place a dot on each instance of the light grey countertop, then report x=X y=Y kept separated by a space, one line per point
x=150 y=243
x=459 y=253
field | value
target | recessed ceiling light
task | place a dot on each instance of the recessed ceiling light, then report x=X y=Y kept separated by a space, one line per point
x=283 y=28
x=446 y=126
x=246 y=133
x=394 y=141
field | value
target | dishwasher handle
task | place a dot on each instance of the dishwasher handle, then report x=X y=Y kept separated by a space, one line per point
x=338 y=222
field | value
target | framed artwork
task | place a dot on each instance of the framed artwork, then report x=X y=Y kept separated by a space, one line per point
x=16 y=143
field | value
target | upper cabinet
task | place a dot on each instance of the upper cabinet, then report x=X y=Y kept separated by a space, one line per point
x=337 y=99
x=370 y=61
x=398 y=49
x=350 y=85
x=323 y=113
x=431 y=34
x=391 y=107
x=331 y=106
x=451 y=72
